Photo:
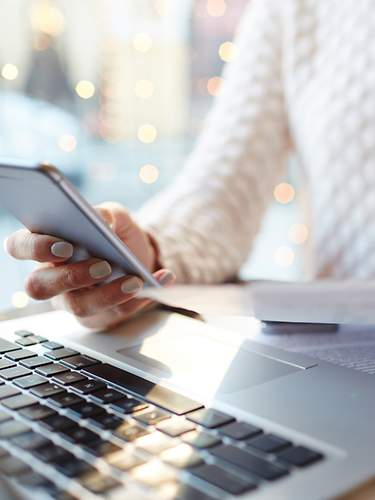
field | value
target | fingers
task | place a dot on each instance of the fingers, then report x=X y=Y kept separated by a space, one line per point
x=46 y=282
x=117 y=217
x=25 y=245
x=88 y=302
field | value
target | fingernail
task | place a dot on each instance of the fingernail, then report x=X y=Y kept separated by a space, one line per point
x=62 y=249
x=5 y=244
x=100 y=270
x=166 y=278
x=131 y=285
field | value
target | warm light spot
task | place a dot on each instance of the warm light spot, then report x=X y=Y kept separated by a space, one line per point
x=298 y=233
x=144 y=89
x=147 y=133
x=142 y=42
x=284 y=256
x=214 y=85
x=227 y=51
x=284 y=193
x=20 y=299
x=85 y=89
x=9 y=71
x=67 y=143
x=161 y=7
x=149 y=174
x=47 y=19
x=216 y=8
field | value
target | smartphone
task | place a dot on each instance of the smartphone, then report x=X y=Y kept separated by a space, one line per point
x=45 y=202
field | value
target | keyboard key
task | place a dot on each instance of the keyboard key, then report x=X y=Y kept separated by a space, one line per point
x=6 y=363
x=300 y=456
x=18 y=402
x=12 y=373
x=129 y=431
x=269 y=443
x=35 y=362
x=33 y=480
x=65 y=399
x=7 y=390
x=153 y=473
x=240 y=430
x=20 y=354
x=223 y=479
x=3 y=418
x=87 y=386
x=86 y=410
x=176 y=426
x=79 y=435
x=98 y=483
x=208 y=417
x=74 y=467
x=51 y=369
x=30 y=381
x=182 y=456
x=68 y=378
x=154 y=393
x=79 y=362
x=175 y=490
x=23 y=333
x=57 y=423
x=200 y=439
x=52 y=345
x=37 y=412
x=38 y=339
x=105 y=396
x=46 y=390
x=125 y=459
x=6 y=346
x=58 y=354
x=155 y=443
x=128 y=405
x=106 y=422
x=53 y=454
x=249 y=462
x=12 y=428
x=101 y=448
x=26 y=341
x=152 y=417
x=12 y=466
x=30 y=441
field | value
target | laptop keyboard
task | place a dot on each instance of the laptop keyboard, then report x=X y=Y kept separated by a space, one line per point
x=101 y=426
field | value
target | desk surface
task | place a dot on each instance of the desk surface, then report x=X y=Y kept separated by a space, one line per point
x=364 y=492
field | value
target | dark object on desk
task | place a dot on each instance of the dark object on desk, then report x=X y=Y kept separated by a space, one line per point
x=284 y=327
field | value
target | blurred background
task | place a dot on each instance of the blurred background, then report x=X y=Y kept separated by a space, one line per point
x=114 y=93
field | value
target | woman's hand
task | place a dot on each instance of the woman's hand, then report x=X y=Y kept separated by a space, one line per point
x=71 y=286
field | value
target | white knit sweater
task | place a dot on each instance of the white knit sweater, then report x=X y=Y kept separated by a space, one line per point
x=304 y=79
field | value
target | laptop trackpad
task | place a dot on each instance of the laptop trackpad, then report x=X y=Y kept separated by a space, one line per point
x=199 y=361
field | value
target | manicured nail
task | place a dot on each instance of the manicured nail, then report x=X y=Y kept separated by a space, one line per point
x=62 y=249
x=166 y=278
x=100 y=270
x=131 y=285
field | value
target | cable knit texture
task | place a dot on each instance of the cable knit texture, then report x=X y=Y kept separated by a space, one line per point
x=303 y=79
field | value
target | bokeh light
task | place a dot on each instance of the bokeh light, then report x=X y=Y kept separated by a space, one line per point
x=67 y=143
x=227 y=51
x=20 y=299
x=85 y=89
x=144 y=89
x=142 y=42
x=216 y=8
x=298 y=233
x=214 y=85
x=284 y=256
x=149 y=174
x=147 y=133
x=9 y=71
x=284 y=193
x=161 y=7
x=47 y=19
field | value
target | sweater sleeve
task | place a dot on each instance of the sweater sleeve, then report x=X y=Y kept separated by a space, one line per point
x=205 y=222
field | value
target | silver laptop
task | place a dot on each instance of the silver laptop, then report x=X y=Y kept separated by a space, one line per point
x=169 y=407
